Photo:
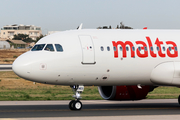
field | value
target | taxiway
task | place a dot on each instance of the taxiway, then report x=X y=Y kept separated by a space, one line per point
x=5 y=67
x=91 y=109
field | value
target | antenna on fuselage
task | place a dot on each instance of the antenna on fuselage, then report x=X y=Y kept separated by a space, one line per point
x=80 y=27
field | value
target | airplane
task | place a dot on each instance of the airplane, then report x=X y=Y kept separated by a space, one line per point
x=124 y=64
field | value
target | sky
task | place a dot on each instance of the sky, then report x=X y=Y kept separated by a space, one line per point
x=60 y=15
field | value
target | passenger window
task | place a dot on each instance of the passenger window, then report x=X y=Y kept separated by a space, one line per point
x=164 y=49
x=49 y=47
x=157 y=48
x=133 y=48
x=38 y=47
x=169 y=48
x=121 y=49
x=145 y=48
x=175 y=48
x=102 y=48
x=151 y=48
x=108 y=48
x=59 y=48
x=139 y=48
x=114 y=48
x=127 y=48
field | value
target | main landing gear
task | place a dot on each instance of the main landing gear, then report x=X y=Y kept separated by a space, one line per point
x=179 y=99
x=76 y=104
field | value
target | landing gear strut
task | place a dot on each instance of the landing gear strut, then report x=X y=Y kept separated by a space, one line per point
x=76 y=104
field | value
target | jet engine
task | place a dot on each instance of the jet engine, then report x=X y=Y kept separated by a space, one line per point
x=124 y=92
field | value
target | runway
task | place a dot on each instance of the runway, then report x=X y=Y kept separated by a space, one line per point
x=91 y=108
x=5 y=67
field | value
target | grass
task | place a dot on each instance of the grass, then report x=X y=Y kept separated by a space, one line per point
x=164 y=93
x=15 y=56
x=14 y=88
x=7 y=60
x=8 y=56
x=44 y=93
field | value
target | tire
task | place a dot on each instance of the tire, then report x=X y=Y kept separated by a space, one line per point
x=71 y=104
x=77 y=105
x=179 y=99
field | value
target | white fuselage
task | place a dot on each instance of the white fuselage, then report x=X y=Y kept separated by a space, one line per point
x=85 y=59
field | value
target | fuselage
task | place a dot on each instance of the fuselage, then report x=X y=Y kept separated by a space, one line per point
x=100 y=57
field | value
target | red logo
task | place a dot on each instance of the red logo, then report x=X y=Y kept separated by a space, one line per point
x=171 y=51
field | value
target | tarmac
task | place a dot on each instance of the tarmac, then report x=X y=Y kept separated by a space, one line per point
x=5 y=67
x=157 y=109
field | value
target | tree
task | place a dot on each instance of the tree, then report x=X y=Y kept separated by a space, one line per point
x=28 y=40
x=117 y=27
x=122 y=26
x=38 y=38
x=23 y=37
x=20 y=37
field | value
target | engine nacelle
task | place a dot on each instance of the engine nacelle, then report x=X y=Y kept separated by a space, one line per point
x=124 y=92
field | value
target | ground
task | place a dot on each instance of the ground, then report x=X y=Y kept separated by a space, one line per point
x=13 y=87
x=8 y=56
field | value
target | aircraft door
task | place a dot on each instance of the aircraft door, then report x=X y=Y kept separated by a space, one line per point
x=88 y=55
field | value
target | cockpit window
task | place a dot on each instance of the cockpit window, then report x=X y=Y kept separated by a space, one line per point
x=38 y=47
x=49 y=47
x=59 y=48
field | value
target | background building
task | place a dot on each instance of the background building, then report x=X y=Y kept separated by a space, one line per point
x=4 y=45
x=51 y=32
x=17 y=44
x=8 y=32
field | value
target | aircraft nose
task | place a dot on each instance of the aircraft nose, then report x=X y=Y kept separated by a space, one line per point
x=21 y=67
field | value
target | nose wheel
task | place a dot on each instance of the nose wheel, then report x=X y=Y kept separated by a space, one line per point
x=76 y=104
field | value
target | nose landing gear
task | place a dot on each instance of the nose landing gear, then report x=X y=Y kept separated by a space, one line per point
x=76 y=104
